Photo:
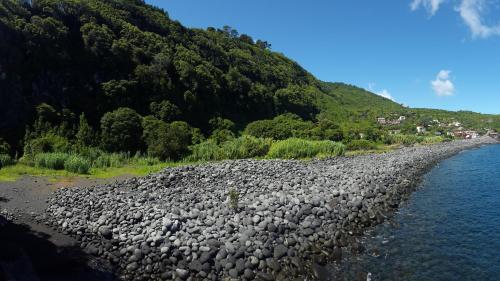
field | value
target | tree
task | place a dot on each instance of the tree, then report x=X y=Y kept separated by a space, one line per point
x=246 y=38
x=121 y=130
x=167 y=141
x=85 y=135
x=165 y=110
x=263 y=44
x=4 y=147
x=296 y=99
x=97 y=38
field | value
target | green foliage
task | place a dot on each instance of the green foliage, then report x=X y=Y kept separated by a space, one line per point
x=114 y=60
x=245 y=147
x=361 y=145
x=167 y=141
x=402 y=139
x=6 y=160
x=4 y=147
x=234 y=198
x=165 y=111
x=432 y=140
x=121 y=130
x=281 y=127
x=77 y=164
x=296 y=99
x=221 y=136
x=85 y=136
x=205 y=151
x=46 y=143
x=53 y=161
x=298 y=148
x=237 y=148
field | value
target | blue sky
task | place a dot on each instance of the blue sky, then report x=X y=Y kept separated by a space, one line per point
x=423 y=53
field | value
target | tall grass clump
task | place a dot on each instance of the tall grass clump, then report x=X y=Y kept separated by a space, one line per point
x=237 y=148
x=77 y=164
x=53 y=161
x=299 y=148
x=111 y=160
x=205 y=151
x=245 y=147
x=6 y=160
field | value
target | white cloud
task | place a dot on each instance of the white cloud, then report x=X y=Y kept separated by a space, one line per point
x=432 y=6
x=470 y=11
x=443 y=86
x=384 y=93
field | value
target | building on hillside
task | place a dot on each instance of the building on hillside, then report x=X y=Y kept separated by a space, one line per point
x=381 y=120
x=402 y=118
x=466 y=134
x=393 y=122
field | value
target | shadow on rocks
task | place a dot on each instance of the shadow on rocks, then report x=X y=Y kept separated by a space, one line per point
x=30 y=256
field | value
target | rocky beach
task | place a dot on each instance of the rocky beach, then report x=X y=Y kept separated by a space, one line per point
x=244 y=219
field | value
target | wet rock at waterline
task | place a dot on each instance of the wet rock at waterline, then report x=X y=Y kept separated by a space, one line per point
x=180 y=223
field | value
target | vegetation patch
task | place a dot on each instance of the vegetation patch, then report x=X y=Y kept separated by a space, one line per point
x=299 y=148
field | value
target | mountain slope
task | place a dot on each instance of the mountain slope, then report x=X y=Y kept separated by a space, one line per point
x=94 y=56
x=62 y=58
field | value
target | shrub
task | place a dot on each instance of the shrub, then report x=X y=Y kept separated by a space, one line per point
x=298 y=148
x=167 y=141
x=54 y=161
x=47 y=143
x=6 y=160
x=361 y=145
x=234 y=197
x=77 y=164
x=281 y=127
x=4 y=147
x=121 y=130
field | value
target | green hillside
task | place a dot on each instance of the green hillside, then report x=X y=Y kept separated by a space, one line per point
x=121 y=76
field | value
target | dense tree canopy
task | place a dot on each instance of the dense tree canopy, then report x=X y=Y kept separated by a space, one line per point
x=62 y=58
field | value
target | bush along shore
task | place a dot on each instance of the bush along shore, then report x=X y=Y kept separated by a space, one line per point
x=243 y=219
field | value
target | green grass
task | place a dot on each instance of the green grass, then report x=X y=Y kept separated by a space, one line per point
x=298 y=148
x=14 y=172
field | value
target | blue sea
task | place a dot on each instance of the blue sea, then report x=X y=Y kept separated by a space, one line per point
x=448 y=230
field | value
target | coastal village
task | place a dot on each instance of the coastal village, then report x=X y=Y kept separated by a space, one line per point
x=454 y=129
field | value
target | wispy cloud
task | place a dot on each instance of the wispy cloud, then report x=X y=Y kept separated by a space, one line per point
x=383 y=93
x=471 y=12
x=432 y=6
x=442 y=85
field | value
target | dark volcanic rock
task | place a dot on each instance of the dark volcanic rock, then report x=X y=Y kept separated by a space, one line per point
x=178 y=223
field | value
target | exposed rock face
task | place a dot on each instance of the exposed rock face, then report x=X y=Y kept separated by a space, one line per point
x=178 y=224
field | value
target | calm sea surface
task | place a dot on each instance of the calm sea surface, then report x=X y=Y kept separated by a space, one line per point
x=448 y=230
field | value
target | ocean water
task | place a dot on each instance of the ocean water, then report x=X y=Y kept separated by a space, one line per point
x=448 y=230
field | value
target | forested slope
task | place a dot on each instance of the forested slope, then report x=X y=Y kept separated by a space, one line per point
x=86 y=70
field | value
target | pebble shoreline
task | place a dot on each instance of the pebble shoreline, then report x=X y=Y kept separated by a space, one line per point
x=179 y=224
